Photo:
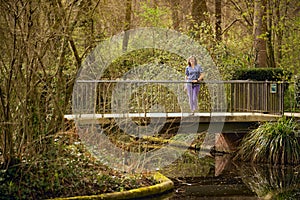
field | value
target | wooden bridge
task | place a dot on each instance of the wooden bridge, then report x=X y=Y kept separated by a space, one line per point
x=240 y=96
x=235 y=105
x=234 y=100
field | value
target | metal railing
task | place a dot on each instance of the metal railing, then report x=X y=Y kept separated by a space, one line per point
x=135 y=96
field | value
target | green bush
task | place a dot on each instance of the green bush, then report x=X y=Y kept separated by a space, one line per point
x=272 y=142
x=291 y=99
x=261 y=74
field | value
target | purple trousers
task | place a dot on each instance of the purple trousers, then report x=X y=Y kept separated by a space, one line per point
x=193 y=92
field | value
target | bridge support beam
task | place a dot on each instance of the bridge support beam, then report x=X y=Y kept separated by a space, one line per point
x=228 y=142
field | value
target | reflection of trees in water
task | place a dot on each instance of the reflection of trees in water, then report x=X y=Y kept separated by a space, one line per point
x=189 y=165
x=272 y=182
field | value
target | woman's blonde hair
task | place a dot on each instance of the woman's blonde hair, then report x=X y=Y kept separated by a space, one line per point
x=188 y=60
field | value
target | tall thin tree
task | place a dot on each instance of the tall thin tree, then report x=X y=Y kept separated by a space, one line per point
x=259 y=33
x=127 y=23
x=218 y=11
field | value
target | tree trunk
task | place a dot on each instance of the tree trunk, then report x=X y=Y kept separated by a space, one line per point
x=279 y=32
x=218 y=11
x=259 y=33
x=175 y=13
x=127 y=24
x=199 y=11
x=269 y=35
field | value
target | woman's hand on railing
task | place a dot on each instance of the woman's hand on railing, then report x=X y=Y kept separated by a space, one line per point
x=196 y=81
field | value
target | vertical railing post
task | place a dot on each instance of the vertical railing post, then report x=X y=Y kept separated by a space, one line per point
x=297 y=92
x=281 y=98
x=266 y=96
x=248 y=103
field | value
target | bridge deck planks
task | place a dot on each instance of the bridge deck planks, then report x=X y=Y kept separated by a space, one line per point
x=202 y=117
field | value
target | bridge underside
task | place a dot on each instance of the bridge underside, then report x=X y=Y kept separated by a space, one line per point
x=223 y=122
x=230 y=128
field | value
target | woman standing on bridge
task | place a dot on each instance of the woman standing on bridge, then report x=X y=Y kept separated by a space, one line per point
x=194 y=74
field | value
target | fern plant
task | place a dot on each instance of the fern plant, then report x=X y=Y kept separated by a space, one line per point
x=272 y=142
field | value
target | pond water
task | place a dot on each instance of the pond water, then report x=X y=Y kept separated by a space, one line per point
x=220 y=177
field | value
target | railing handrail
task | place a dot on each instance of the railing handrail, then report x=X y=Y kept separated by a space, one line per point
x=232 y=95
x=172 y=81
